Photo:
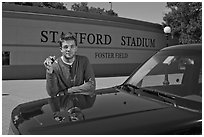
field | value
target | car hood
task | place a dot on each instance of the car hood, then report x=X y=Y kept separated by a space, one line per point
x=72 y=109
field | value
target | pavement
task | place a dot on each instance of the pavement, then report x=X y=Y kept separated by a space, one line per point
x=16 y=92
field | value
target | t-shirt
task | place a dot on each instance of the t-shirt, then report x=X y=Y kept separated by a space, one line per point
x=78 y=77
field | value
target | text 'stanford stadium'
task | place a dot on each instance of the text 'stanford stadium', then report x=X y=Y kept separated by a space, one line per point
x=113 y=45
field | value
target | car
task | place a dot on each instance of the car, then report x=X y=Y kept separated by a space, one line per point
x=163 y=96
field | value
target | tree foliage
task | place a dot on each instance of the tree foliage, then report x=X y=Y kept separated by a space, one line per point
x=83 y=6
x=185 y=20
x=52 y=5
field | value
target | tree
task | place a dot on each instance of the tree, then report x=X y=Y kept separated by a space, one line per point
x=111 y=12
x=185 y=20
x=80 y=7
x=83 y=6
x=53 y=5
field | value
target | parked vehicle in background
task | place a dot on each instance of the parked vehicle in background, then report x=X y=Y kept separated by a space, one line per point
x=162 y=96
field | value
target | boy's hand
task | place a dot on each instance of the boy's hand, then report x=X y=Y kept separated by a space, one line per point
x=48 y=64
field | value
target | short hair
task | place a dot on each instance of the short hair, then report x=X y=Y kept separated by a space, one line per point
x=67 y=36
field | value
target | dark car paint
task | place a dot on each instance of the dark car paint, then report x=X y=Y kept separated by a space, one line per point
x=114 y=112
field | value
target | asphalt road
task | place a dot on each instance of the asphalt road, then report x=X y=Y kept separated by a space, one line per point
x=15 y=92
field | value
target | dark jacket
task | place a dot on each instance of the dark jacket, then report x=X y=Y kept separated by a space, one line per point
x=70 y=79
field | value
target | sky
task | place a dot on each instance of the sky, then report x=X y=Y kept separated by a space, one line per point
x=145 y=11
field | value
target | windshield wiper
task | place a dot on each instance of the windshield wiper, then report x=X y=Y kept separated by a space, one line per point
x=176 y=101
x=129 y=88
x=164 y=97
x=130 y=85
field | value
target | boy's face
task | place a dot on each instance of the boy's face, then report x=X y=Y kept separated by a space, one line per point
x=68 y=49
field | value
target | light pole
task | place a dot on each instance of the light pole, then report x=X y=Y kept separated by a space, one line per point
x=167 y=31
x=110 y=5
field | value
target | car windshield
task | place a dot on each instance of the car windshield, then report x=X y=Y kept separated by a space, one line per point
x=173 y=72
